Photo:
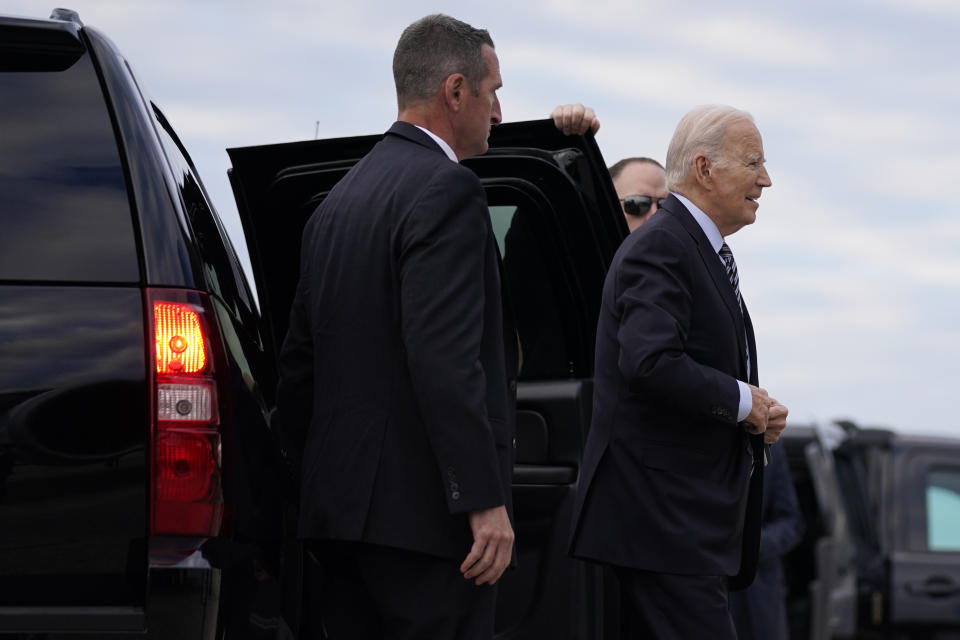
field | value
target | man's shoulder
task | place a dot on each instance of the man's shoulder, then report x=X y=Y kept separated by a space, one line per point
x=667 y=221
x=424 y=154
x=661 y=232
x=398 y=158
x=406 y=139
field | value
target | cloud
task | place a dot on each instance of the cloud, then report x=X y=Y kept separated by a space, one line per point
x=946 y=8
x=766 y=42
x=932 y=176
x=198 y=121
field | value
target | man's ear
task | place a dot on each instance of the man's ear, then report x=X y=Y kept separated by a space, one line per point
x=701 y=169
x=453 y=90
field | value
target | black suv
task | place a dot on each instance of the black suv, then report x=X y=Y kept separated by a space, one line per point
x=134 y=443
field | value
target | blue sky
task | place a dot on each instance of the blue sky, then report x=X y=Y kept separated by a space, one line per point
x=852 y=271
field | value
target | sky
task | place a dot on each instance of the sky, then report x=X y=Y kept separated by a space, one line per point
x=852 y=270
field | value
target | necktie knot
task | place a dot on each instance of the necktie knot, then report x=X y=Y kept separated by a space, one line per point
x=725 y=252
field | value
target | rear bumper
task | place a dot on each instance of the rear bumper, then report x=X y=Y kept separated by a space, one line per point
x=181 y=604
x=71 y=619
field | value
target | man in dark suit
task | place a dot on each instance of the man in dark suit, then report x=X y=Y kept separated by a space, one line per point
x=670 y=488
x=396 y=376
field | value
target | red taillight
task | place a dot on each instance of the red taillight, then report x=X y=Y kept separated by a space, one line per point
x=187 y=497
x=186 y=465
x=181 y=346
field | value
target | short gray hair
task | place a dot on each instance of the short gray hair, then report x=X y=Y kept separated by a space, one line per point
x=701 y=131
x=433 y=48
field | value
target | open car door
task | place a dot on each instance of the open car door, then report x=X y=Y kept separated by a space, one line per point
x=833 y=594
x=558 y=223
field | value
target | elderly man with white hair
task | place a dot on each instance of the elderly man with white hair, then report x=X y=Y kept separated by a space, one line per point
x=671 y=483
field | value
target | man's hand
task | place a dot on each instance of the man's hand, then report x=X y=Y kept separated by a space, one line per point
x=492 y=545
x=575 y=119
x=756 y=420
x=776 y=422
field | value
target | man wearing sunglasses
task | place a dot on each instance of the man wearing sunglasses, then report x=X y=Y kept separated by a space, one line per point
x=641 y=185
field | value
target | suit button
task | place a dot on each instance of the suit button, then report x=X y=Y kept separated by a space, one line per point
x=455 y=495
x=450 y=473
x=512 y=384
x=454 y=487
x=514 y=443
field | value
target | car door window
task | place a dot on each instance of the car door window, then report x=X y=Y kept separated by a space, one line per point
x=533 y=292
x=225 y=276
x=943 y=510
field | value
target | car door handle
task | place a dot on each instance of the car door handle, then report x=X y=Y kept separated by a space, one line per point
x=535 y=474
x=935 y=587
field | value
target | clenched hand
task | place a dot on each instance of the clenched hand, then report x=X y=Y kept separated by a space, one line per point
x=756 y=420
x=776 y=422
x=767 y=416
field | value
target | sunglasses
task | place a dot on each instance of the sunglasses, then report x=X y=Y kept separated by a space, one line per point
x=639 y=205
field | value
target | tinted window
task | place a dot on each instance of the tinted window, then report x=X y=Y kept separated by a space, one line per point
x=63 y=199
x=531 y=279
x=553 y=271
x=943 y=510
x=222 y=268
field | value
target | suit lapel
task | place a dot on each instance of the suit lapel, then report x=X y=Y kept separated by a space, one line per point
x=752 y=345
x=718 y=274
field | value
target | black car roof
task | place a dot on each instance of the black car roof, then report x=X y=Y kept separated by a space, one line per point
x=57 y=42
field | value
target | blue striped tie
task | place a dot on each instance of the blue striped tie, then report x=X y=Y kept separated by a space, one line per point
x=728 y=260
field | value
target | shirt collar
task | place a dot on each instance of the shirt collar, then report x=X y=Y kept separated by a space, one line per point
x=709 y=227
x=447 y=149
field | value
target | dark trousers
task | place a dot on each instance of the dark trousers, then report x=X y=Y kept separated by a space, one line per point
x=369 y=592
x=665 y=606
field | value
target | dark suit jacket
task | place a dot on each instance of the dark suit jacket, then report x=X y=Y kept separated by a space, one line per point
x=393 y=373
x=760 y=612
x=666 y=473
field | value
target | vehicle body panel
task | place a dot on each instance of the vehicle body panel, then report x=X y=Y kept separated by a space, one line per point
x=74 y=464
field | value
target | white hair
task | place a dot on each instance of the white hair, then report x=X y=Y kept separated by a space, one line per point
x=701 y=131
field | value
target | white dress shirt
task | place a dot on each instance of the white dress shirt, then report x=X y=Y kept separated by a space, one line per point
x=447 y=149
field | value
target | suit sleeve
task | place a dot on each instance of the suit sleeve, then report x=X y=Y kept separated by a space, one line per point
x=655 y=304
x=442 y=257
